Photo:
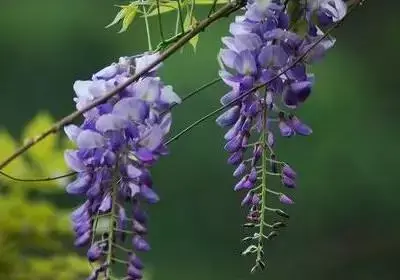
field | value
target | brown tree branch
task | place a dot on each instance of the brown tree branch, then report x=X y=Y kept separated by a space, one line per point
x=222 y=12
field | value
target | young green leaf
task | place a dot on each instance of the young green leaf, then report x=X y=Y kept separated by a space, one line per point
x=118 y=17
x=188 y=24
x=130 y=14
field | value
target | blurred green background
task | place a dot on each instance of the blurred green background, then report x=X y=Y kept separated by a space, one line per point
x=345 y=222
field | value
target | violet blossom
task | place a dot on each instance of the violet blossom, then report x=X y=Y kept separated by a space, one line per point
x=116 y=144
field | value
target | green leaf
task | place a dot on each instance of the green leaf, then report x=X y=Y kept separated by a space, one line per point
x=188 y=24
x=210 y=2
x=130 y=14
x=117 y=18
x=163 y=9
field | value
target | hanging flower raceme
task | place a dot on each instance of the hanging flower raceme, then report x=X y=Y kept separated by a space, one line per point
x=116 y=144
x=265 y=41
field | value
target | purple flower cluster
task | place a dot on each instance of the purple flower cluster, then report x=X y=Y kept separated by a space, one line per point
x=265 y=41
x=116 y=144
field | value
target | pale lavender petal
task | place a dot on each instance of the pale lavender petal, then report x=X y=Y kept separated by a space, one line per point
x=110 y=122
x=73 y=161
x=80 y=185
x=89 y=139
x=132 y=109
x=169 y=96
x=239 y=170
x=228 y=57
x=285 y=199
x=145 y=61
x=149 y=194
x=132 y=171
x=229 y=117
x=72 y=131
x=140 y=244
x=107 y=72
x=105 y=205
x=148 y=89
x=245 y=63
x=152 y=139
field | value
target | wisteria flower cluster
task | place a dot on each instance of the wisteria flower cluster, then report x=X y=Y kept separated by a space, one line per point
x=116 y=144
x=264 y=42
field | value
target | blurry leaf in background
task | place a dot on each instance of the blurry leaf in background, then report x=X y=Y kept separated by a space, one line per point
x=33 y=232
x=46 y=159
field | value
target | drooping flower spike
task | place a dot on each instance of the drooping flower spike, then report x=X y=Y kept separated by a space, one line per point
x=264 y=41
x=116 y=144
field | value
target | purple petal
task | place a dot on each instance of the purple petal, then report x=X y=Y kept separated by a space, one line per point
x=134 y=272
x=285 y=130
x=253 y=175
x=234 y=144
x=288 y=182
x=229 y=97
x=144 y=155
x=285 y=199
x=270 y=139
x=246 y=200
x=73 y=161
x=299 y=127
x=83 y=240
x=236 y=158
x=240 y=185
x=245 y=63
x=88 y=139
x=249 y=41
x=94 y=253
x=289 y=172
x=301 y=89
x=105 y=205
x=107 y=72
x=148 y=89
x=131 y=108
x=255 y=199
x=72 y=131
x=234 y=130
x=169 y=96
x=229 y=117
x=80 y=185
x=139 y=228
x=78 y=212
x=239 y=170
x=272 y=56
x=146 y=60
x=152 y=138
x=136 y=262
x=149 y=194
x=228 y=57
x=132 y=171
x=140 y=215
x=110 y=122
x=140 y=244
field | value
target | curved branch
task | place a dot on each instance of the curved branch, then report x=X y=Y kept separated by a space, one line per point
x=222 y=12
x=37 y=179
x=186 y=97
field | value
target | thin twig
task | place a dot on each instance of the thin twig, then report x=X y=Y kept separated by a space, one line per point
x=146 y=21
x=159 y=22
x=186 y=97
x=39 y=179
x=180 y=16
x=222 y=12
x=194 y=92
